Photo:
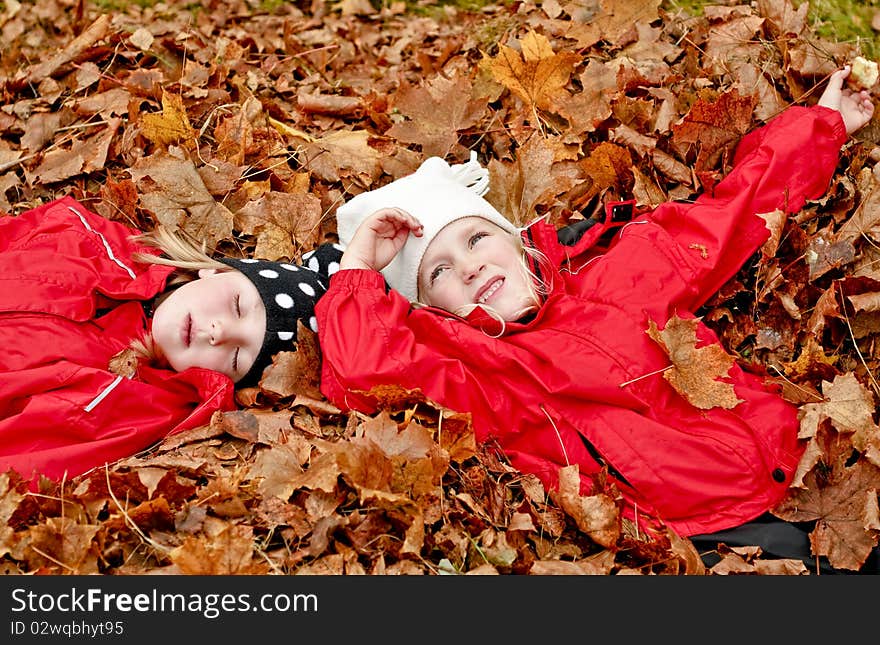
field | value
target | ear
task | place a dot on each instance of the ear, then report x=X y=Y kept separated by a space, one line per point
x=204 y=273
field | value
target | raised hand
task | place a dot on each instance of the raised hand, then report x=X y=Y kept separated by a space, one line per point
x=856 y=108
x=379 y=238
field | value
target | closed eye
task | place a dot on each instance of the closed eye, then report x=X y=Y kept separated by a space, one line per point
x=237 y=303
x=235 y=360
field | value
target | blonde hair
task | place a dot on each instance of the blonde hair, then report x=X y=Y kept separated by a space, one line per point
x=180 y=253
x=539 y=286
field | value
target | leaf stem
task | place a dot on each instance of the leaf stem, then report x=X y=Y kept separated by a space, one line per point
x=639 y=378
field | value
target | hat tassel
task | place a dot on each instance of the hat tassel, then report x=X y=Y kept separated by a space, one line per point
x=472 y=175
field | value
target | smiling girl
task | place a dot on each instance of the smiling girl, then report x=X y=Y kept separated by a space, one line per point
x=542 y=337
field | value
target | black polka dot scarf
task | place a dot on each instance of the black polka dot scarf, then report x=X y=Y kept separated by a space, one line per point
x=289 y=292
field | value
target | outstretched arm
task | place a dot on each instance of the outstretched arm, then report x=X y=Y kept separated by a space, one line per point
x=856 y=108
x=379 y=238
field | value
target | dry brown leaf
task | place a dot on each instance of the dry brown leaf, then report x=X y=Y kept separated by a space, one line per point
x=595 y=515
x=437 y=111
x=172 y=190
x=695 y=370
x=713 y=127
x=283 y=223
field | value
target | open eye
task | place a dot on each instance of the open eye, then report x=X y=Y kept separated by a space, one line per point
x=476 y=237
x=436 y=273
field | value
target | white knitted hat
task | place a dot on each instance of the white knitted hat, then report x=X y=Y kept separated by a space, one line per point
x=436 y=194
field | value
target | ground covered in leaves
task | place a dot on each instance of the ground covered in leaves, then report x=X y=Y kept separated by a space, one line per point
x=246 y=128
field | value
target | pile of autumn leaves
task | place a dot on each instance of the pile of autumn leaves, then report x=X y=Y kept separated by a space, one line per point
x=225 y=122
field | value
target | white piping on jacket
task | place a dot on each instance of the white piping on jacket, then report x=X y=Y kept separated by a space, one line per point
x=94 y=402
x=103 y=241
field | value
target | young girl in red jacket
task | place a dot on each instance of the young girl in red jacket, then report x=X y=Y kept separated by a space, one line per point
x=77 y=290
x=548 y=350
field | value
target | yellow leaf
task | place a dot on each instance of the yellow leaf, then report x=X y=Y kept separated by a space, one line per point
x=169 y=126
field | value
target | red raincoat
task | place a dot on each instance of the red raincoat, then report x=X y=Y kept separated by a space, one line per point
x=70 y=299
x=550 y=390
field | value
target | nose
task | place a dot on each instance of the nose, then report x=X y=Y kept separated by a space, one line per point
x=470 y=269
x=216 y=333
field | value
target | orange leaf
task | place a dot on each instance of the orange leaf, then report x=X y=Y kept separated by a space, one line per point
x=537 y=74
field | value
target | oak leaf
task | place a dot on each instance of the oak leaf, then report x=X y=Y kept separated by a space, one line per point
x=695 y=370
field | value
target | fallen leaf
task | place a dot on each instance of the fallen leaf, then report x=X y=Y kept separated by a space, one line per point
x=695 y=371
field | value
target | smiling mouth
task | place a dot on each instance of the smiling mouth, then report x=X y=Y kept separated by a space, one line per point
x=489 y=290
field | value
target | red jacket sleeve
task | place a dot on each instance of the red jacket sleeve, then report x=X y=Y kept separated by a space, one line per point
x=675 y=257
x=778 y=166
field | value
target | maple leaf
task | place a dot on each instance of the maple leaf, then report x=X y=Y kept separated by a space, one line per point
x=536 y=74
x=170 y=126
x=695 y=370
x=713 y=127
x=517 y=188
x=607 y=166
x=849 y=405
x=436 y=112
x=284 y=223
x=343 y=154
x=228 y=551
x=276 y=467
x=62 y=542
x=733 y=43
x=842 y=499
x=175 y=193
x=592 y=105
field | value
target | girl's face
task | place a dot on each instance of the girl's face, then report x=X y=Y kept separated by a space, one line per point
x=217 y=322
x=474 y=262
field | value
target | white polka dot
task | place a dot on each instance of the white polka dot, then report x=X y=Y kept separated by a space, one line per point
x=306 y=256
x=306 y=289
x=314 y=265
x=289 y=267
x=285 y=335
x=332 y=268
x=268 y=273
x=249 y=261
x=339 y=247
x=284 y=301
x=313 y=323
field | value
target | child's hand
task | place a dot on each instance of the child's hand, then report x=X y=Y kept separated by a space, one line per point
x=379 y=238
x=856 y=108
